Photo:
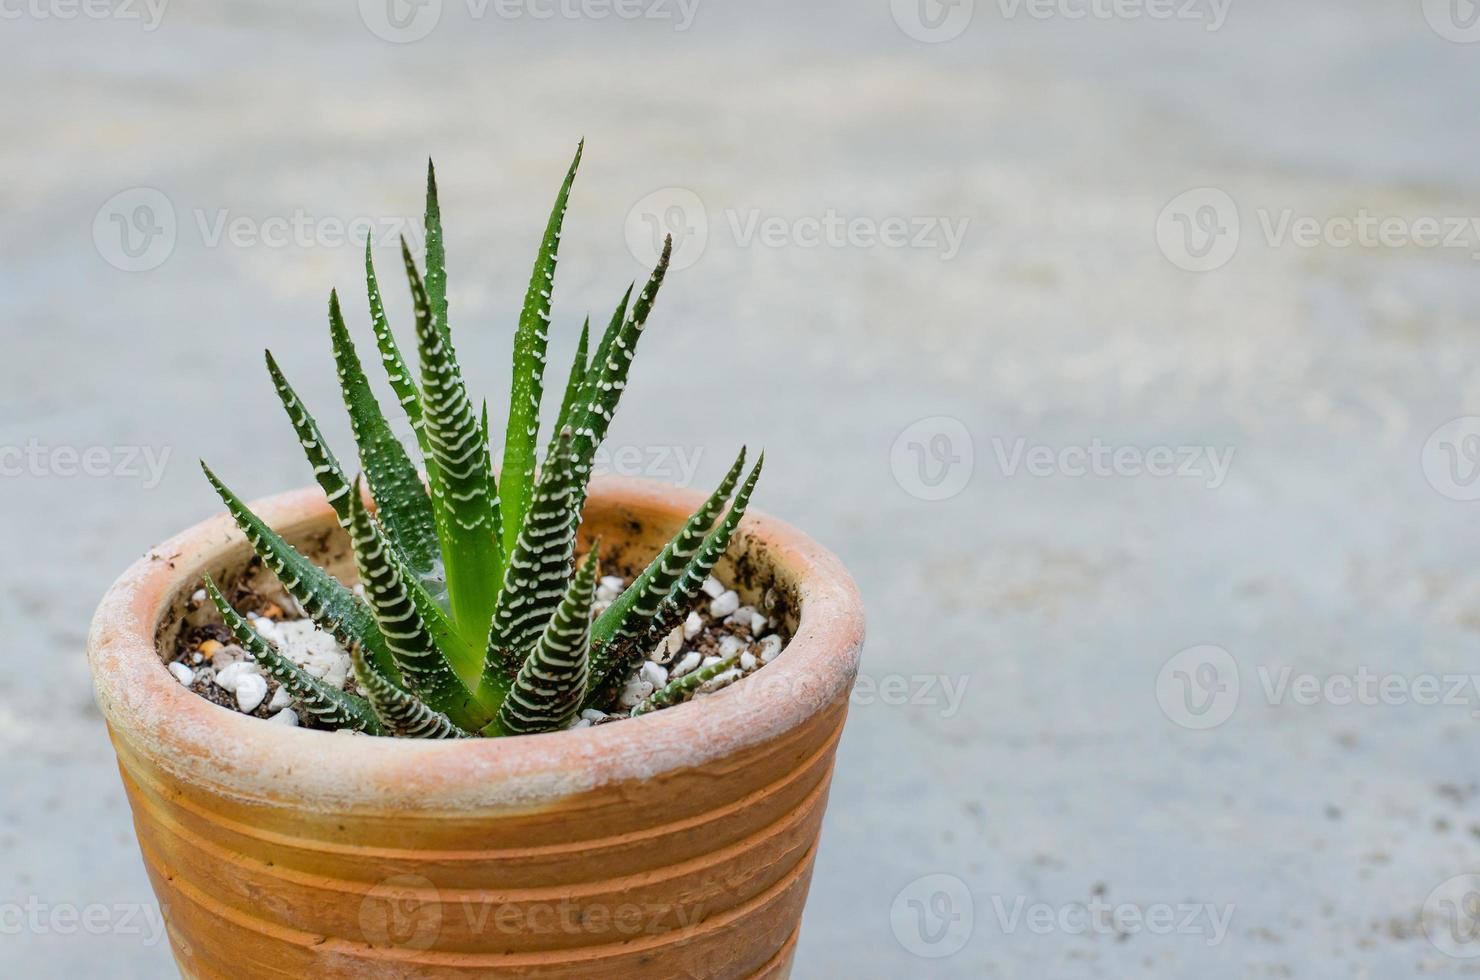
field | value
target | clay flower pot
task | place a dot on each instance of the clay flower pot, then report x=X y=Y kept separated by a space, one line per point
x=678 y=844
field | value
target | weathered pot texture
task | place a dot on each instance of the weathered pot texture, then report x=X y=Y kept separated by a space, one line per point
x=677 y=844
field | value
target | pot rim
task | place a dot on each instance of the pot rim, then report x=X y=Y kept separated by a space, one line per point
x=237 y=755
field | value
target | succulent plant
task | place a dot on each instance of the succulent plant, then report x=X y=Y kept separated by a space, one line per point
x=476 y=618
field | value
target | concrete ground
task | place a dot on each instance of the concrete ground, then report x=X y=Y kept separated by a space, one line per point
x=1127 y=359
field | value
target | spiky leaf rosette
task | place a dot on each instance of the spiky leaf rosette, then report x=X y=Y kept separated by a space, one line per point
x=472 y=598
x=327 y=706
x=547 y=693
x=399 y=713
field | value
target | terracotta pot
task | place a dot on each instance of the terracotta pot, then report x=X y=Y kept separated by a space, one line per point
x=679 y=844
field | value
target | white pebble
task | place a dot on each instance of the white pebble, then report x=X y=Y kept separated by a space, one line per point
x=280 y=698
x=654 y=674
x=758 y=624
x=183 y=674
x=713 y=588
x=689 y=661
x=250 y=690
x=580 y=723
x=634 y=692
x=748 y=661
x=287 y=717
x=199 y=595
x=230 y=676
x=591 y=714
x=692 y=626
x=197 y=658
x=730 y=645
x=770 y=647
x=723 y=679
x=710 y=661
x=675 y=640
x=740 y=617
x=725 y=604
x=613 y=584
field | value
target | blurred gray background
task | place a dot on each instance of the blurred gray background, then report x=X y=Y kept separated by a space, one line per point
x=1125 y=351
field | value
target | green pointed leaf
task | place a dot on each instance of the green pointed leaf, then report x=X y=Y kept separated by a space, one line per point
x=630 y=615
x=684 y=688
x=333 y=608
x=516 y=475
x=436 y=284
x=611 y=662
x=577 y=377
x=538 y=568
x=392 y=598
x=607 y=377
x=328 y=706
x=547 y=693
x=403 y=383
x=400 y=714
x=326 y=469
x=405 y=508
x=462 y=503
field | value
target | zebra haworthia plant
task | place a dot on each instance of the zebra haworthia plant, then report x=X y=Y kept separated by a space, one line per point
x=476 y=618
